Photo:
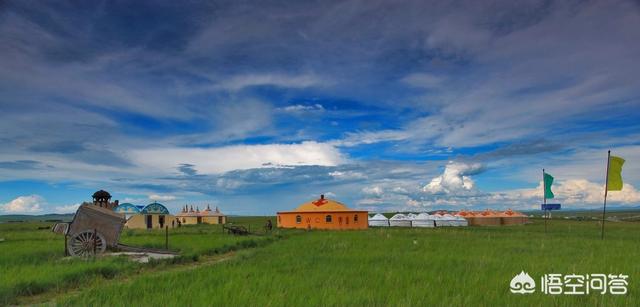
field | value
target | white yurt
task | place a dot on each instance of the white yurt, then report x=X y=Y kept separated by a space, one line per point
x=378 y=220
x=448 y=220
x=441 y=221
x=411 y=216
x=423 y=220
x=400 y=220
x=460 y=221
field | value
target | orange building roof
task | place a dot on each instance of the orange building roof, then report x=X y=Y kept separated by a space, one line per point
x=322 y=205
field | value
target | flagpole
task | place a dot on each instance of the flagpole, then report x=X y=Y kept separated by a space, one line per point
x=544 y=201
x=606 y=189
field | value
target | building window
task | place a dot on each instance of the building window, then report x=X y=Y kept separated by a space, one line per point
x=298 y=219
x=184 y=220
x=327 y=219
x=355 y=218
x=161 y=221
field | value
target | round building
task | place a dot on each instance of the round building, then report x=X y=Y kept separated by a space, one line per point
x=323 y=213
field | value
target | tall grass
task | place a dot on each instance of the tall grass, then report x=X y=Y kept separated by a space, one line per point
x=395 y=267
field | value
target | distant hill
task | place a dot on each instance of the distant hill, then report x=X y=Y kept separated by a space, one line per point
x=34 y=218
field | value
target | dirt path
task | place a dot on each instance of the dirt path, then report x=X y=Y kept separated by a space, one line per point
x=48 y=298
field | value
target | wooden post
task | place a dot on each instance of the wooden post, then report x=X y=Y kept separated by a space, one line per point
x=606 y=189
x=66 y=253
x=166 y=237
x=544 y=202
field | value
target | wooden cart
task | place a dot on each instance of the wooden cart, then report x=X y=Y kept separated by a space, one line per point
x=92 y=230
x=236 y=230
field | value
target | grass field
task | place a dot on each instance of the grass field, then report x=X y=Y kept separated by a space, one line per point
x=32 y=260
x=401 y=267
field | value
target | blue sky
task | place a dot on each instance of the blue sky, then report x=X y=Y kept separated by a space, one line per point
x=259 y=106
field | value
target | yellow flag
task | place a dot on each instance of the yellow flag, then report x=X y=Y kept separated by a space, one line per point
x=615 y=174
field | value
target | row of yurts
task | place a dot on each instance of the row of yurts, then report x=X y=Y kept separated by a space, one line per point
x=156 y=215
x=325 y=213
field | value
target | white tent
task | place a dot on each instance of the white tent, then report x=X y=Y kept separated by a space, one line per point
x=423 y=220
x=378 y=220
x=400 y=220
x=411 y=216
x=460 y=221
x=441 y=220
x=448 y=220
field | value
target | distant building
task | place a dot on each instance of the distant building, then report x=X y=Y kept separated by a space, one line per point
x=188 y=216
x=323 y=214
x=493 y=218
x=151 y=216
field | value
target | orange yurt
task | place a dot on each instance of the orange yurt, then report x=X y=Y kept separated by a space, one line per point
x=493 y=218
x=323 y=213
x=486 y=218
x=511 y=217
x=467 y=215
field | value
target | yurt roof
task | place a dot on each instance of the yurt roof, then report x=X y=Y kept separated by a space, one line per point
x=322 y=205
x=378 y=217
x=510 y=212
x=424 y=216
x=399 y=216
x=126 y=208
x=155 y=208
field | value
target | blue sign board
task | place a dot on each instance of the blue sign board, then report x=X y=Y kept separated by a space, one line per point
x=550 y=207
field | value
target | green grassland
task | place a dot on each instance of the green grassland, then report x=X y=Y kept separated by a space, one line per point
x=469 y=266
x=32 y=260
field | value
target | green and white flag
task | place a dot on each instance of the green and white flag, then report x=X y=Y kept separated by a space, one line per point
x=548 y=180
x=615 y=174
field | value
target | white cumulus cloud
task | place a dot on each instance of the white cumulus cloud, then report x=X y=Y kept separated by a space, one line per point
x=24 y=204
x=455 y=179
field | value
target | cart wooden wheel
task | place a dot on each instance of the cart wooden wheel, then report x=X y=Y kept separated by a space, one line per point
x=82 y=243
